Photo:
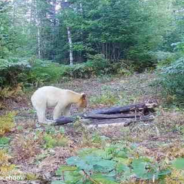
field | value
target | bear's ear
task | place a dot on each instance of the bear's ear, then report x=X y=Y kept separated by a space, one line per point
x=83 y=96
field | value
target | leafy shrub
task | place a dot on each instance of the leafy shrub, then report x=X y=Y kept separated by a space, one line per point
x=141 y=59
x=43 y=72
x=100 y=65
x=9 y=92
x=96 y=65
x=11 y=71
x=83 y=70
x=163 y=58
x=35 y=72
x=7 y=123
x=28 y=71
x=172 y=80
x=178 y=46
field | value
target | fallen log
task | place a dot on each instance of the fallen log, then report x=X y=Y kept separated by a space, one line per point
x=104 y=116
x=105 y=122
x=119 y=122
x=111 y=113
x=65 y=120
x=145 y=107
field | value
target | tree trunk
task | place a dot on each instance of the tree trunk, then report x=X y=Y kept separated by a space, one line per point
x=38 y=41
x=38 y=32
x=70 y=46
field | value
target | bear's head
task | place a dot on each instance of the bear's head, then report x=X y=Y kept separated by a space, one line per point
x=82 y=101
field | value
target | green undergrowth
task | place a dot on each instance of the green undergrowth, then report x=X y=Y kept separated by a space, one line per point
x=35 y=72
x=117 y=164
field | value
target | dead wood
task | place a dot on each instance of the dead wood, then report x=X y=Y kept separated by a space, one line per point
x=104 y=116
x=65 y=120
x=145 y=107
x=138 y=112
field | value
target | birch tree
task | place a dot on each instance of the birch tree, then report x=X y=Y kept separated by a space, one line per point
x=65 y=5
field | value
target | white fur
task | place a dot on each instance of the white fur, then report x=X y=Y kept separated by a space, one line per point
x=50 y=96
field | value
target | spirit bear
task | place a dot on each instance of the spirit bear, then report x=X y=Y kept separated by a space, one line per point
x=60 y=99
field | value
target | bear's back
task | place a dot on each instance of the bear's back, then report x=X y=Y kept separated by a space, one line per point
x=49 y=95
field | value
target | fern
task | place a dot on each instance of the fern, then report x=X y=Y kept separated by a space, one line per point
x=5 y=166
x=7 y=123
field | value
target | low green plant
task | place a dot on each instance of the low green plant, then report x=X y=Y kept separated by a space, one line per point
x=43 y=72
x=4 y=141
x=11 y=71
x=114 y=164
x=36 y=72
x=141 y=59
x=53 y=140
x=178 y=163
x=96 y=65
x=177 y=174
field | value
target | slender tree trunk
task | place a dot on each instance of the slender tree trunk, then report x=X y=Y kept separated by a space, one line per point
x=54 y=30
x=39 y=41
x=66 y=5
x=70 y=46
x=38 y=32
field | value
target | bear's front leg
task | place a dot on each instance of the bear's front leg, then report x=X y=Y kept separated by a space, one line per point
x=66 y=111
x=57 y=111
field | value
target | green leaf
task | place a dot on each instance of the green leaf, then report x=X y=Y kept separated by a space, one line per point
x=81 y=164
x=102 y=179
x=122 y=168
x=73 y=160
x=179 y=163
x=65 y=168
x=58 y=182
x=73 y=177
x=4 y=141
x=144 y=169
x=105 y=165
x=125 y=161
x=124 y=172
x=164 y=172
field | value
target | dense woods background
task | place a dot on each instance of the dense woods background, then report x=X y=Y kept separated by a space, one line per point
x=93 y=37
x=123 y=29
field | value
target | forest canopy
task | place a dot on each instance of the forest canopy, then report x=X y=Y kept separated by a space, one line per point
x=94 y=37
x=118 y=29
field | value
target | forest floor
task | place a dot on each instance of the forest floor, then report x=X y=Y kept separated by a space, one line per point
x=38 y=151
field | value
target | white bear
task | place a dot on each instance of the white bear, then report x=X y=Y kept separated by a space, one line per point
x=61 y=99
